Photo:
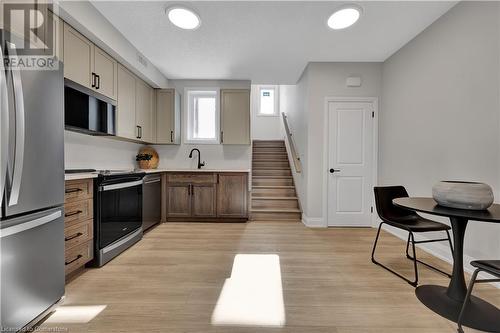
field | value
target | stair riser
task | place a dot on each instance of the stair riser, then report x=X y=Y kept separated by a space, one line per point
x=272 y=158
x=271 y=172
x=270 y=168
x=269 y=144
x=268 y=164
x=269 y=150
x=273 y=192
x=272 y=182
x=276 y=216
x=278 y=203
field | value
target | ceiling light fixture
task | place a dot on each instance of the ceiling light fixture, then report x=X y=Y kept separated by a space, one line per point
x=344 y=17
x=183 y=18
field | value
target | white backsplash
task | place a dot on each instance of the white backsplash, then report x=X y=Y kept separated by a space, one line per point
x=94 y=152
x=83 y=151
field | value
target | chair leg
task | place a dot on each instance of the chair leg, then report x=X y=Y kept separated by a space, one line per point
x=408 y=246
x=414 y=257
x=413 y=283
x=466 y=300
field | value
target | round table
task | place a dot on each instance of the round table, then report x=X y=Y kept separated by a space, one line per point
x=448 y=301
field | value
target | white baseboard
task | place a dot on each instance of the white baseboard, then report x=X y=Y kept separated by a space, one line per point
x=439 y=250
x=313 y=222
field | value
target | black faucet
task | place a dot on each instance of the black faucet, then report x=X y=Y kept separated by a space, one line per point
x=199 y=156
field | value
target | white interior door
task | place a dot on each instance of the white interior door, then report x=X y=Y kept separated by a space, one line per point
x=350 y=157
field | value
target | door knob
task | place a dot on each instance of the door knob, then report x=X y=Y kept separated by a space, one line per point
x=334 y=170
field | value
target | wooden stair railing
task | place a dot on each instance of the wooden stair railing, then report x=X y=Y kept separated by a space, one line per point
x=293 y=151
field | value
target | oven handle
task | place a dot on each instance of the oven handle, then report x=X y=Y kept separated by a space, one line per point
x=119 y=186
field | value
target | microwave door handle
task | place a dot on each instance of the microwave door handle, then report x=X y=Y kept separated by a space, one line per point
x=20 y=133
x=4 y=126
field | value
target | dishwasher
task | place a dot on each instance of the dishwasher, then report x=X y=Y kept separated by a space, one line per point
x=151 y=201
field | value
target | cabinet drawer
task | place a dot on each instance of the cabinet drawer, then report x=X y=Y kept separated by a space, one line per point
x=205 y=178
x=78 y=234
x=76 y=212
x=76 y=190
x=78 y=256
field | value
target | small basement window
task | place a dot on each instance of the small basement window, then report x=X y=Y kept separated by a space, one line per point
x=203 y=116
x=268 y=101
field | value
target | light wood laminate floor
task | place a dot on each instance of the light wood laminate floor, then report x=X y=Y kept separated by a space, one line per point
x=172 y=279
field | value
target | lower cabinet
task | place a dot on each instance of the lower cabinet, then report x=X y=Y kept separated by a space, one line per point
x=210 y=197
x=78 y=224
x=203 y=196
x=232 y=195
x=178 y=200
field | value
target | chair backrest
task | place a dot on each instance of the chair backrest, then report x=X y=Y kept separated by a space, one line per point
x=386 y=209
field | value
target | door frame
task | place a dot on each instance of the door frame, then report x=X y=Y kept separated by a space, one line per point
x=326 y=140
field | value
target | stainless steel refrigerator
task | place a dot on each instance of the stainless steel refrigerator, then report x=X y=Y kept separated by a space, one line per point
x=31 y=192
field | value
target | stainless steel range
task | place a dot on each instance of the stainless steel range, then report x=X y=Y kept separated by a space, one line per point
x=117 y=213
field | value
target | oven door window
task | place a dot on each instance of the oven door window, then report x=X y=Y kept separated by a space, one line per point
x=121 y=213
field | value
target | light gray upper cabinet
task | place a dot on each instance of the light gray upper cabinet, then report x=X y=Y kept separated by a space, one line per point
x=88 y=65
x=78 y=57
x=235 y=116
x=135 y=111
x=105 y=72
x=144 y=110
x=168 y=115
x=125 y=110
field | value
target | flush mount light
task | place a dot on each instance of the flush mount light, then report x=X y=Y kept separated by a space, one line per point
x=344 y=17
x=183 y=18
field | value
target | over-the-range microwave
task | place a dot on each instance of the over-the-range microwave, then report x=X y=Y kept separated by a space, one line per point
x=88 y=112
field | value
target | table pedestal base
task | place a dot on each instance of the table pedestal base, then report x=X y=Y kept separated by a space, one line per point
x=479 y=314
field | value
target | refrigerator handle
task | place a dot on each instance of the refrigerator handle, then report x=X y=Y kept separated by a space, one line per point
x=30 y=225
x=20 y=133
x=4 y=126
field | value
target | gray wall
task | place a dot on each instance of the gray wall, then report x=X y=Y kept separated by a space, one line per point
x=293 y=102
x=440 y=111
x=305 y=105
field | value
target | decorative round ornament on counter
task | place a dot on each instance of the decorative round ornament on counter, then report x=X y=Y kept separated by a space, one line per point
x=463 y=195
x=147 y=158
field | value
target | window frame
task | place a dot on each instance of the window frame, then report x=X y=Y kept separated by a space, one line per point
x=276 y=101
x=189 y=113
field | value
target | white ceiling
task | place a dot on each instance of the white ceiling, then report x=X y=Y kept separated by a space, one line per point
x=264 y=41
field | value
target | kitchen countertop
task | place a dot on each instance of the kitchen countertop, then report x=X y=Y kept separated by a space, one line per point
x=83 y=175
x=87 y=175
x=193 y=170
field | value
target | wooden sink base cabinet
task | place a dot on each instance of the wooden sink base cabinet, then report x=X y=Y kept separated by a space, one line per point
x=206 y=197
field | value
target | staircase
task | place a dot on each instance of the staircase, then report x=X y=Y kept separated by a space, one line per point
x=273 y=191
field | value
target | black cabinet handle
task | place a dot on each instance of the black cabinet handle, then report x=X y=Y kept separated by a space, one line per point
x=222 y=136
x=98 y=84
x=73 y=236
x=138 y=128
x=93 y=80
x=73 y=213
x=140 y=132
x=334 y=170
x=72 y=261
x=73 y=190
x=171 y=136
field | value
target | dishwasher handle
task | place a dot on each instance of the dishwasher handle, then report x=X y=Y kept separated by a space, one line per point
x=152 y=181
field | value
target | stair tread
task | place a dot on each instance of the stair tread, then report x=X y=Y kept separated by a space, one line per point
x=272 y=186
x=277 y=209
x=276 y=198
x=272 y=177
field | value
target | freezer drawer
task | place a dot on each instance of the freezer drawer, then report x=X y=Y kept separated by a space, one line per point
x=32 y=261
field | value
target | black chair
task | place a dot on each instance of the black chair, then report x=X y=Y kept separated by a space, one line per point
x=406 y=220
x=489 y=266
